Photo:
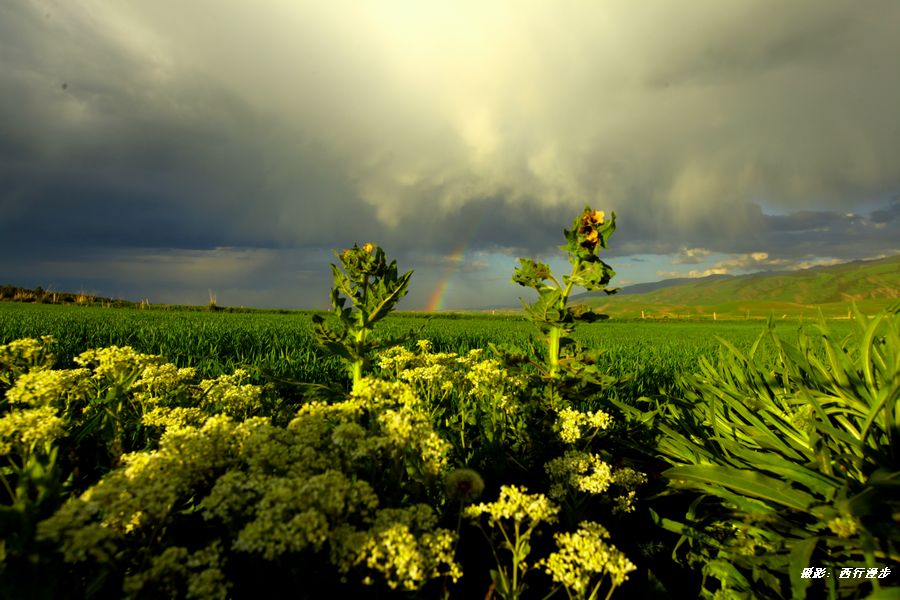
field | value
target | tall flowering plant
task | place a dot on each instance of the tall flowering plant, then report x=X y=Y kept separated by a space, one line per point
x=373 y=287
x=551 y=311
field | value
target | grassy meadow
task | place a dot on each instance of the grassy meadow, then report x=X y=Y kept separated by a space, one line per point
x=159 y=452
x=281 y=346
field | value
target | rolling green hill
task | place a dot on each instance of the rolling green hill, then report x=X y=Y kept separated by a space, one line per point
x=872 y=285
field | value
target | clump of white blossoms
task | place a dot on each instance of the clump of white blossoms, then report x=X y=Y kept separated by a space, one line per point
x=584 y=560
x=573 y=425
x=21 y=356
x=517 y=505
x=30 y=430
x=587 y=472
x=310 y=488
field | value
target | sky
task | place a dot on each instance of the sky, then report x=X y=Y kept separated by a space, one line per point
x=170 y=150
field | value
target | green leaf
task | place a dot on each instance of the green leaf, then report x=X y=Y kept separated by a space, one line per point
x=726 y=572
x=388 y=302
x=801 y=555
x=744 y=481
x=501 y=584
x=531 y=274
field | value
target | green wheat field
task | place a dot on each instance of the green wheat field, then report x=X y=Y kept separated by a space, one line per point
x=651 y=352
x=667 y=449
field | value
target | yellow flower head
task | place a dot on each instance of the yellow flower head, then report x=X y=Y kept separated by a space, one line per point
x=367 y=247
x=593 y=217
x=844 y=527
x=517 y=504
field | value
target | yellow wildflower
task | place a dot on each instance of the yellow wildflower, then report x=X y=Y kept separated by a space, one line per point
x=407 y=548
x=28 y=353
x=30 y=429
x=582 y=556
x=570 y=423
x=592 y=217
x=367 y=247
x=844 y=527
x=516 y=504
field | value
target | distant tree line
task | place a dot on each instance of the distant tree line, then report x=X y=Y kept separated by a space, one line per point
x=38 y=295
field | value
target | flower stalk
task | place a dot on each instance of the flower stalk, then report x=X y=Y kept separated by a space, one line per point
x=551 y=311
x=373 y=287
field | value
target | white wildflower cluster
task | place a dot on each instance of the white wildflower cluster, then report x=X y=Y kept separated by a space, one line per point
x=372 y=394
x=45 y=387
x=228 y=394
x=408 y=429
x=154 y=391
x=20 y=356
x=143 y=492
x=30 y=430
x=491 y=382
x=164 y=417
x=845 y=526
x=177 y=572
x=293 y=513
x=473 y=397
x=582 y=471
x=117 y=366
x=432 y=374
x=625 y=503
x=403 y=544
x=396 y=426
x=436 y=374
x=627 y=480
x=309 y=487
x=297 y=491
x=395 y=359
x=514 y=515
x=572 y=424
x=589 y=473
x=583 y=558
x=164 y=384
x=516 y=504
x=32 y=423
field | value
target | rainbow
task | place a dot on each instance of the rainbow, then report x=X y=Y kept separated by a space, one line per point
x=436 y=300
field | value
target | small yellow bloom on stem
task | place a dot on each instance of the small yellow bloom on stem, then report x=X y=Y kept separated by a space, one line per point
x=367 y=247
x=593 y=217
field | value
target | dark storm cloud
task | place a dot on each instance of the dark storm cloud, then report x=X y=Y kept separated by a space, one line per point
x=204 y=134
x=821 y=233
x=117 y=159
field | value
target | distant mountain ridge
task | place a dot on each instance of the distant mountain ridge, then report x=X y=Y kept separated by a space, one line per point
x=652 y=286
x=867 y=281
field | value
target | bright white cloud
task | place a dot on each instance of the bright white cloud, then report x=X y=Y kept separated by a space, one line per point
x=687 y=256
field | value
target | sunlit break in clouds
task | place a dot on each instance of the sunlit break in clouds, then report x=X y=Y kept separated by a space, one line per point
x=164 y=149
